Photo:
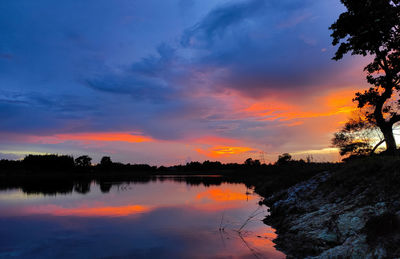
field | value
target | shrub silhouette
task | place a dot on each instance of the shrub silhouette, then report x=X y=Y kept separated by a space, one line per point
x=83 y=161
x=46 y=163
x=250 y=162
x=283 y=159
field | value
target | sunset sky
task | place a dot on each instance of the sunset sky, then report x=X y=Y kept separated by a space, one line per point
x=167 y=82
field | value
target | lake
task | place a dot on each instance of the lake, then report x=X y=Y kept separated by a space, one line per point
x=165 y=217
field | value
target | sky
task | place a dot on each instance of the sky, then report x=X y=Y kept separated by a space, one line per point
x=168 y=82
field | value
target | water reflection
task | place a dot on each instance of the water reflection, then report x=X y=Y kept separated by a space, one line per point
x=141 y=219
x=219 y=194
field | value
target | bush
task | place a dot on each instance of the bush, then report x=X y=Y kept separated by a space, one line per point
x=45 y=163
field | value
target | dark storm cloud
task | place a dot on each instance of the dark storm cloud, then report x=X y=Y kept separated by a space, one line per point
x=218 y=21
x=146 y=79
x=264 y=46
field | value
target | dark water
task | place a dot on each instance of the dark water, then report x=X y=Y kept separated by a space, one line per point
x=157 y=219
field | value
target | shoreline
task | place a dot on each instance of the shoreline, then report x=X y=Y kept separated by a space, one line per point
x=350 y=213
x=321 y=210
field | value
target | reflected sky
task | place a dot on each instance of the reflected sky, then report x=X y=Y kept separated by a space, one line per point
x=154 y=220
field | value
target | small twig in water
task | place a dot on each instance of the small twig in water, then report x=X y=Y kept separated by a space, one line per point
x=252 y=215
x=221 y=228
x=252 y=250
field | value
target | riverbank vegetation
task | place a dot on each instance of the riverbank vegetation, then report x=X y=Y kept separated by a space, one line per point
x=48 y=173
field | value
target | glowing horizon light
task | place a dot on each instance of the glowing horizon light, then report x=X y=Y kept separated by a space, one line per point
x=220 y=151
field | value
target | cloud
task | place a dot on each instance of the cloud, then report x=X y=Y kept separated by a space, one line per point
x=223 y=151
x=218 y=21
x=251 y=47
x=92 y=137
x=143 y=80
x=226 y=77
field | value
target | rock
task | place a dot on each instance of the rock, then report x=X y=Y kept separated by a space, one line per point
x=310 y=224
x=327 y=236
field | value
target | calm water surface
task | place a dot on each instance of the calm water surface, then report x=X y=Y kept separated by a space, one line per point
x=158 y=219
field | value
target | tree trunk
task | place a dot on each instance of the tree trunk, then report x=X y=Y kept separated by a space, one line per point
x=389 y=139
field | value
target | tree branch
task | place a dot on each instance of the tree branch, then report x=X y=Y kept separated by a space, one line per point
x=395 y=118
x=377 y=145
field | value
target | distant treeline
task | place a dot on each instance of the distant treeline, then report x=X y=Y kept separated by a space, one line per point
x=65 y=163
x=57 y=174
x=82 y=164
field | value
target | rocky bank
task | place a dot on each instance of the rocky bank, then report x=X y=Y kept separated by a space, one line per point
x=353 y=212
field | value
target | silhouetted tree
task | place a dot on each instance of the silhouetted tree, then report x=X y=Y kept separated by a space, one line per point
x=251 y=162
x=83 y=161
x=212 y=165
x=309 y=159
x=42 y=163
x=357 y=138
x=285 y=158
x=372 y=28
x=105 y=161
x=6 y=165
x=194 y=166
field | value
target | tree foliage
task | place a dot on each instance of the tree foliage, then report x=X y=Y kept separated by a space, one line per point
x=357 y=137
x=372 y=28
x=46 y=163
x=105 y=161
x=284 y=159
x=83 y=161
x=250 y=162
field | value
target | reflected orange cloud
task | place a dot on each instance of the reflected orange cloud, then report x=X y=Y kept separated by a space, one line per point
x=217 y=194
x=261 y=240
x=94 y=136
x=221 y=151
x=90 y=212
x=216 y=206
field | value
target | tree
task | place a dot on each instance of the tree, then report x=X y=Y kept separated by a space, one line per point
x=49 y=162
x=251 y=162
x=357 y=138
x=83 y=161
x=106 y=163
x=372 y=28
x=285 y=158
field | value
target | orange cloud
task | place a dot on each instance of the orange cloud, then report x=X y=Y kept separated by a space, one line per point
x=94 y=136
x=109 y=136
x=219 y=195
x=214 y=139
x=220 y=151
x=338 y=102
